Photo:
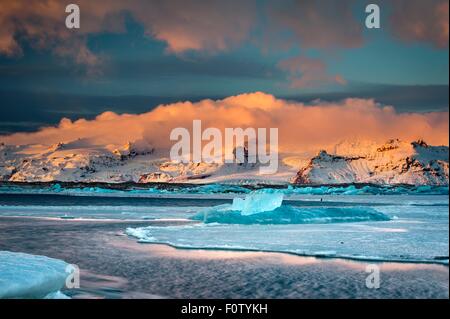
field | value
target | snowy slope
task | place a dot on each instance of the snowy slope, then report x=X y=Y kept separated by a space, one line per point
x=76 y=162
x=394 y=162
x=348 y=162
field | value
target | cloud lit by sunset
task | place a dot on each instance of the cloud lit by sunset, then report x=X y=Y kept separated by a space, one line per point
x=303 y=127
x=131 y=65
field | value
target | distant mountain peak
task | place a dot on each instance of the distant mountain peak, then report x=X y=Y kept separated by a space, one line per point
x=394 y=162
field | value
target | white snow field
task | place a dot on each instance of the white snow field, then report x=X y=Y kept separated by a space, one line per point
x=24 y=276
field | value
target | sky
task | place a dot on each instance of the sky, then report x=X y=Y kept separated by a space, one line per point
x=131 y=56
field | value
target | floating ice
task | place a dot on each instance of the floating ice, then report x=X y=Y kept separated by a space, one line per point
x=143 y=190
x=360 y=190
x=268 y=209
x=29 y=276
x=224 y=214
x=417 y=234
x=257 y=203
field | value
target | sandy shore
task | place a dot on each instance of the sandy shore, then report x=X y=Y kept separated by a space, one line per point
x=116 y=266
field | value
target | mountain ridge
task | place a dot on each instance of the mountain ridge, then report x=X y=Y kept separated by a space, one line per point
x=348 y=162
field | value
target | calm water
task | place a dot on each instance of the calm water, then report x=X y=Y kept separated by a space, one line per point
x=90 y=231
x=115 y=266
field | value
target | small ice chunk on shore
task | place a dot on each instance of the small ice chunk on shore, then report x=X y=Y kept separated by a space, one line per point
x=257 y=203
x=24 y=276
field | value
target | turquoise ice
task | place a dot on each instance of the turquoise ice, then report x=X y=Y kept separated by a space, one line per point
x=31 y=276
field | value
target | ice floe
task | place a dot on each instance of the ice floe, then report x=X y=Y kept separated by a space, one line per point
x=31 y=277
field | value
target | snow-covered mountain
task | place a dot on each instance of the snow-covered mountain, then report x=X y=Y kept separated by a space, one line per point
x=394 y=162
x=348 y=162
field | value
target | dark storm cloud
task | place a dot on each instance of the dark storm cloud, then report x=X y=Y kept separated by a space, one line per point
x=405 y=98
x=217 y=66
x=211 y=66
x=26 y=111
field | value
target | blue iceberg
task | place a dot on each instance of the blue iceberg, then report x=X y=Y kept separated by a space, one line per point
x=257 y=203
x=214 y=188
x=268 y=209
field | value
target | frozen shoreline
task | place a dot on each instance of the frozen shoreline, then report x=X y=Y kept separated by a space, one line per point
x=115 y=266
x=364 y=227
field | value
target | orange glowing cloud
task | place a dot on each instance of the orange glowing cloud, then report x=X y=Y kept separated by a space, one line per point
x=184 y=25
x=302 y=127
x=215 y=26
